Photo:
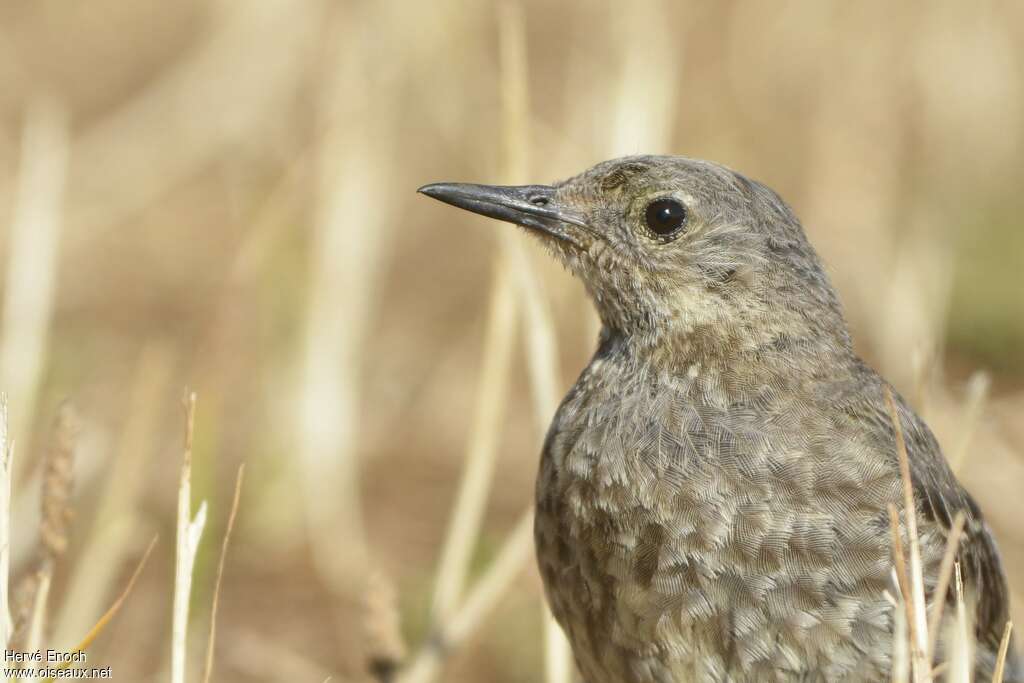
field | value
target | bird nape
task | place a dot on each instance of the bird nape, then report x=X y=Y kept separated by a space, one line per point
x=713 y=494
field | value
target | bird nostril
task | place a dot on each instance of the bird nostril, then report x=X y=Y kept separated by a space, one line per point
x=539 y=200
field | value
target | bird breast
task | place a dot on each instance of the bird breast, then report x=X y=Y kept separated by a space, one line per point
x=681 y=533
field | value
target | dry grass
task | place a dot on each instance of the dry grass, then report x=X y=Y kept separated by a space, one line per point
x=221 y=195
x=32 y=248
x=112 y=611
x=190 y=531
x=912 y=577
x=482 y=448
x=6 y=470
x=917 y=632
x=211 y=640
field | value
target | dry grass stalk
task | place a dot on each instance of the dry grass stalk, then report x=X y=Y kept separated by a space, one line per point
x=455 y=624
x=6 y=469
x=478 y=470
x=58 y=479
x=922 y=364
x=32 y=259
x=945 y=574
x=113 y=536
x=540 y=336
x=57 y=482
x=480 y=600
x=208 y=668
x=542 y=367
x=977 y=392
x=900 y=638
x=188 y=534
x=350 y=234
x=515 y=91
x=26 y=502
x=37 y=623
x=642 y=104
x=898 y=554
x=1004 y=649
x=112 y=611
x=961 y=657
x=385 y=647
x=916 y=612
x=493 y=584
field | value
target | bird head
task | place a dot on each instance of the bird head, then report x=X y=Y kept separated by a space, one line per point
x=675 y=252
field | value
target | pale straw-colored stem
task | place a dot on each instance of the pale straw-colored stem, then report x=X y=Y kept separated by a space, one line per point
x=32 y=257
x=6 y=469
x=945 y=575
x=114 y=532
x=643 y=87
x=900 y=658
x=112 y=611
x=917 y=615
x=482 y=449
x=382 y=628
x=961 y=659
x=898 y=555
x=494 y=583
x=190 y=530
x=37 y=622
x=1004 y=649
x=351 y=228
x=54 y=525
x=480 y=600
x=977 y=391
x=540 y=336
x=211 y=640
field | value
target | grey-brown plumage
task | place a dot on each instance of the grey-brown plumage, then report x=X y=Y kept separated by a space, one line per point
x=712 y=496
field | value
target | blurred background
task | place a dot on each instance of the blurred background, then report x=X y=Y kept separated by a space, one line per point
x=221 y=196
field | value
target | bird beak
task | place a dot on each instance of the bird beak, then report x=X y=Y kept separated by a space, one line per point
x=531 y=206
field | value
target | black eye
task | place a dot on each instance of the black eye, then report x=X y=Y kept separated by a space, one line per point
x=665 y=217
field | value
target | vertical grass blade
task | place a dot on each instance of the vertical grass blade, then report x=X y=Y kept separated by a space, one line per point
x=917 y=615
x=482 y=449
x=6 y=468
x=643 y=102
x=480 y=600
x=190 y=530
x=900 y=638
x=112 y=611
x=540 y=337
x=382 y=629
x=941 y=588
x=1004 y=649
x=961 y=658
x=977 y=392
x=32 y=257
x=350 y=231
x=211 y=640
x=113 y=535
x=54 y=526
x=37 y=621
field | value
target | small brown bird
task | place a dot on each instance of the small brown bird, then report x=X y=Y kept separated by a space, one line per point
x=712 y=502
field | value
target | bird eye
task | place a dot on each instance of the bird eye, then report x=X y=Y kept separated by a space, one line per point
x=665 y=217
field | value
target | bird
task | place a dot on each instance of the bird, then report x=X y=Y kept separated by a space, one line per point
x=713 y=496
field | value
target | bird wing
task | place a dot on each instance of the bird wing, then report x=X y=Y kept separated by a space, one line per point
x=940 y=497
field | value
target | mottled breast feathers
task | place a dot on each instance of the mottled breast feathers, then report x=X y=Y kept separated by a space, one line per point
x=688 y=532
